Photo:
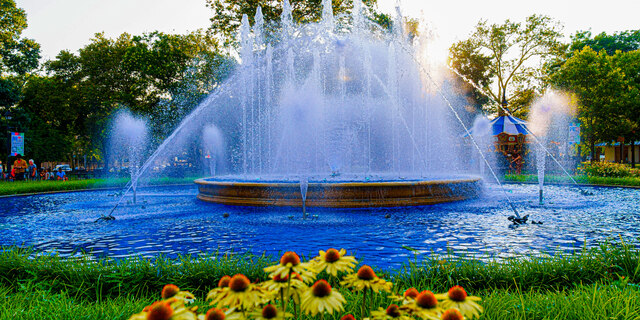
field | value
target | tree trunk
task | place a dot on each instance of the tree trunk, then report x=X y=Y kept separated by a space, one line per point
x=633 y=154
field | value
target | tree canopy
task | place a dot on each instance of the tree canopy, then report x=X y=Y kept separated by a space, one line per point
x=227 y=14
x=504 y=60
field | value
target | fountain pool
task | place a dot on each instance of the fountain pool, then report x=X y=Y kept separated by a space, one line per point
x=175 y=222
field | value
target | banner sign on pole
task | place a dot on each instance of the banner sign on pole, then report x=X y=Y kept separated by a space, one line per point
x=17 y=143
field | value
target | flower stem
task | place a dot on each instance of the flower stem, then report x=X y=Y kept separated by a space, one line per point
x=284 y=302
x=284 y=310
x=364 y=300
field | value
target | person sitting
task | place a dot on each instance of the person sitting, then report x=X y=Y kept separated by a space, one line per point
x=43 y=174
x=61 y=175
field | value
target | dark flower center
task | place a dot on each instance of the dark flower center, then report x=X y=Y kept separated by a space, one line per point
x=215 y=314
x=452 y=314
x=269 y=312
x=393 y=311
x=224 y=282
x=366 y=273
x=160 y=311
x=332 y=255
x=321 y=289
x=290 y=257
x=427 y=300
x=239 y=283
x=457 y=293
x=411 y=293
x=169 y=291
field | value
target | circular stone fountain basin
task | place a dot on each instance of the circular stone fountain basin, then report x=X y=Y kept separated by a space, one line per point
x=337 y=194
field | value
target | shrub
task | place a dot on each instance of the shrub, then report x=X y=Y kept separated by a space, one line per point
x=608 y=169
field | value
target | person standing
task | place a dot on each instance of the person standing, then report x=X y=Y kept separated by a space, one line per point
x=20 y=167
x=33 y=170
x=1 y=171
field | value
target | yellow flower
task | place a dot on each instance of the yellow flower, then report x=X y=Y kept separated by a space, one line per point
x=320 y=298
x=365 y=278
x=223 y=283
x=239 y=293
x=392 y=312
x=334 y=261
x=407 y=297
x=293 y=288
x=290 y=263
x=457 y=298
x=172 y=291
x=269 y=312
x=220 y=314
x=424 y=306
x=171 y=309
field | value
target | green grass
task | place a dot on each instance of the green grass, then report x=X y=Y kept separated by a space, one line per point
x=26 y=187
x=599 y=283
x=626 y=181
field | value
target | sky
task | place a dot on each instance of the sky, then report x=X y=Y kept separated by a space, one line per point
x=70 y=24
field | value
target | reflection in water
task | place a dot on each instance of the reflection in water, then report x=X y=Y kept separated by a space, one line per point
x=174 y=222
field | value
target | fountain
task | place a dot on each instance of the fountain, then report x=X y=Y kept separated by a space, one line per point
x=344 y=107
x=128 y=144
x=549 y=122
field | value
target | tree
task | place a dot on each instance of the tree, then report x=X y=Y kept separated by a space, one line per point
x=149 y=74
x=503 y=61
x=624 y=41
x=18 y=57
x=598 y=83
x=227 y=14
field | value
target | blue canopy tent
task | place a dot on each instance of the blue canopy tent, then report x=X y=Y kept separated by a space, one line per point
x=509 y=125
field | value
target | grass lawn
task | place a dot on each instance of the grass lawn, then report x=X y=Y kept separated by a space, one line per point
x=599 y=283
x=26 y=187
x=583 y=179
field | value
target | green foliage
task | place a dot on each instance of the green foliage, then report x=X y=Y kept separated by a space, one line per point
x=587 y=284
x=17 y=55
x=69 y=111
x=607 y=96
x=506 y=59
x=227 y=14
x=608 y=169
x=624 y=41
x=584 y=179
x=28 y=187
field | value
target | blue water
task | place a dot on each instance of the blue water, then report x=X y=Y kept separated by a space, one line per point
x=174 y=221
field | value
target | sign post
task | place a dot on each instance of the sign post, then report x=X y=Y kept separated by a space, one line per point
x=17 y=143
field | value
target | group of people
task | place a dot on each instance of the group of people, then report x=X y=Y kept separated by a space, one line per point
x=21 y=171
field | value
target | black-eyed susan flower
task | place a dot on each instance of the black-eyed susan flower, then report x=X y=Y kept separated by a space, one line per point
x=221 y=314
x=452 y=314
x=171 y=291
x=424 y=306
x=407 y=297
x=285 y=288
x=269 y=312
x=240 y=293
x=392 y=312
x=457 y=298
x=333 y=261
x=321 y=298
x=170 y=309
x=222 y=283
x=365 y=278
x=290 y=263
